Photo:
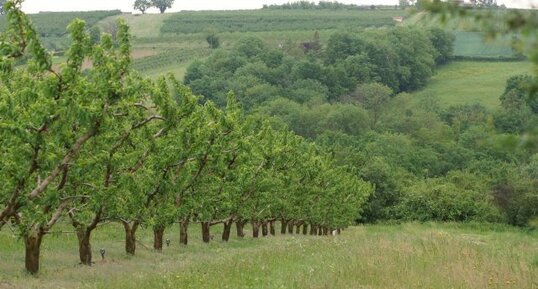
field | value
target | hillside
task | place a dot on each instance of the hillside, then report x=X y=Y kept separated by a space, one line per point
x=170 y=42
x=469 y=82
x=176 y=39
x=295 y=146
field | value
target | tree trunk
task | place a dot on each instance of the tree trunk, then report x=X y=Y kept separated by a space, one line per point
x=130 y=237
x=84 y=246
x=313 y=229
x=290 y=227
x=239 y=225
x=272 y=228
x=158 y=233
x=255 y=229
x=284 y=224
x=338 y=231
x=227 y=230
x=325 y=231
x=206 y=233
x=298 y=228
x=183 y=232
x=305 y=229
x=265 y=229
x=32 y=243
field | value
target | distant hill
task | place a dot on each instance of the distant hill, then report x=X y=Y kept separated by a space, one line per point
x=54 y=24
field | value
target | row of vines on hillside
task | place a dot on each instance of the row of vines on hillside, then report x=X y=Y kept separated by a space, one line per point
x=105 y=144
x=276 y=20
x=167 y=58
x=52 y=24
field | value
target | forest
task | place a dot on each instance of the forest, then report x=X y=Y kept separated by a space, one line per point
x=427 y=162
x=332 y=142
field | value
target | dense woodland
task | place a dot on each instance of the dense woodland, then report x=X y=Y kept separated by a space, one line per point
x=351 y=97
x=317 y=140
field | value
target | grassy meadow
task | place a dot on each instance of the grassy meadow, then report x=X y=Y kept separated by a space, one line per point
x=376 y=256
x=468 y=82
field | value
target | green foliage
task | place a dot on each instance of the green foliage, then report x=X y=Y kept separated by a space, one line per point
x=301 y=5
x=310 y=120
x=373 y=97
x=213 y=40
x=105 y=144
x=444 y=45
x=516 y=94
x=162 y=5
x=257 y=73
x=459 y=197
x=48 y=118
x=142 y=5
x=400 y=58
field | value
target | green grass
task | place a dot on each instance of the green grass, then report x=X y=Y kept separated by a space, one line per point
x=468 y=82
x=380 y=256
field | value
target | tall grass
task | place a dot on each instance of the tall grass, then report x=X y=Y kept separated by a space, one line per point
x=377 y=256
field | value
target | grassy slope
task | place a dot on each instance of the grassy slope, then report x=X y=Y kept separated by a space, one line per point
x=403 y=256
x=471 y=82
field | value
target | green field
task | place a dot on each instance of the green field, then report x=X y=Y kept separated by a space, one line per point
x=379 y=256
x=467 y=82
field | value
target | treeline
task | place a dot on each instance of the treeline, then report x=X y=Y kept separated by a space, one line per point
x=400 y=58
x=313 y=5
x=103 y=144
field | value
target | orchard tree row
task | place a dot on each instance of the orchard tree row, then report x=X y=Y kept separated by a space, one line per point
x=103 y=144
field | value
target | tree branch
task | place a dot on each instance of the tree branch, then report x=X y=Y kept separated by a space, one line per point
x=67 y=158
